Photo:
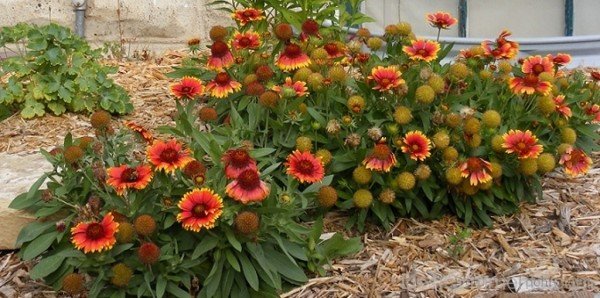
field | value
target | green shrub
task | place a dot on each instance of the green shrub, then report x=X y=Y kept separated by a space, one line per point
x=56 y=71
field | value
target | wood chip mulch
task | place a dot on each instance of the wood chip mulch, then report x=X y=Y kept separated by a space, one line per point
x=551 y=246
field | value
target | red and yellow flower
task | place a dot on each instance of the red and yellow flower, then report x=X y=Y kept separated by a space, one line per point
x=594 y=111
x=595 y=75
x=299 y=87
x=386 y=78
x=247 y=15
x=124 y=177
x=248 y=187
x=237 y=161
x=537 y=64
x=562 y=107
x=95 y=236
x=420 y=49
x=522 y=143
x=220 y=56
x=246 y=40
x=168 y=156
x=305 y=167
x=575 y=161
x=477 y=170
x=223 y=85
x=292 y=58
x=561 y=59
x=200 y=208
x=504 y=49
x=382 y=159
x=188 y=87
x=143 y=132
x=441 y=20
x=334 y=50
x=417 y=145
x=530 y=84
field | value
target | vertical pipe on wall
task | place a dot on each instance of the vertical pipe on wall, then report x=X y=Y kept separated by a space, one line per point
x=568 y=17
x=462 y=18
x=79 y=6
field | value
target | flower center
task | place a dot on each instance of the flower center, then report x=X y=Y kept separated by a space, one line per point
x=292 y=51
x=531 y=80
x=94 y=231
x=247 y=14
x=305 y=167
x=169 y=155
x=219 y=49
x=222 y=79
x=422 y=52
x=385 y=82
x=310 y=27
x=245 y=41
x=331 y=48
x=474 y=165
x=239 y=158
x=381 y=151
x=129 y=175
x=199 y=210
x=186 y=89
x=521 y=145
x=538 y=68
x=415 y=147
x=248 y=179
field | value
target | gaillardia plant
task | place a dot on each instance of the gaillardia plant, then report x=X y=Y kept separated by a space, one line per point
x=282 y=119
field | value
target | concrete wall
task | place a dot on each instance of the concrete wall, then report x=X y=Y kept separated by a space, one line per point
x=486 y=18
x=145 y=23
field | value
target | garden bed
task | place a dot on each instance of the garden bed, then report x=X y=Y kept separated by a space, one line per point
x=555 y=243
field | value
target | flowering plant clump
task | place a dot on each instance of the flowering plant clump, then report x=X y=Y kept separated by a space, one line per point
x=128 y=214
x=381 y=121
x=285 y=118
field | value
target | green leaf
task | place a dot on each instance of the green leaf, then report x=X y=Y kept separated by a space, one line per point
x=285 y=266
x=33 y=230
x=57 y=108
x=233 y=241
x=232 y=260
x=177 y=291
x=46 y=266
x=39 y=245
x=161 y=286
x=249 y=271
x=32 y=109
x=204 y=246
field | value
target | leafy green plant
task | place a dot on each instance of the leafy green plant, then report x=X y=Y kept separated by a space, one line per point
x=457 y=242
x=56 y=71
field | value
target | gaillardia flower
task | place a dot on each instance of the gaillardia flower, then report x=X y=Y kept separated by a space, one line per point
x=441 y=20
x=386 y=78
x=223 y=85
x=522 y=143
x=292 y=58
x=575 y=161
x=124 y=177
x=168 y=156
x=561 y=59
x=188 y=87
x=220 y=56
x=200 y=208
x=299 y=87
x=562 y=107
x=529 y=84
x=504 y=49
x=334 y=50
x=247 y=15
x=382 y=159
x=95 y=236
x=247 y=187
x=594 y=111
x=537 y=64
x=477 y=170
x=143 y=132
x=304 y=167
x=425 y=50
x=246 y=40
x=237 y=161
x=417 y=145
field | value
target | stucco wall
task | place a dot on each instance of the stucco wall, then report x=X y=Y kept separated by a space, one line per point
x=145 y=23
